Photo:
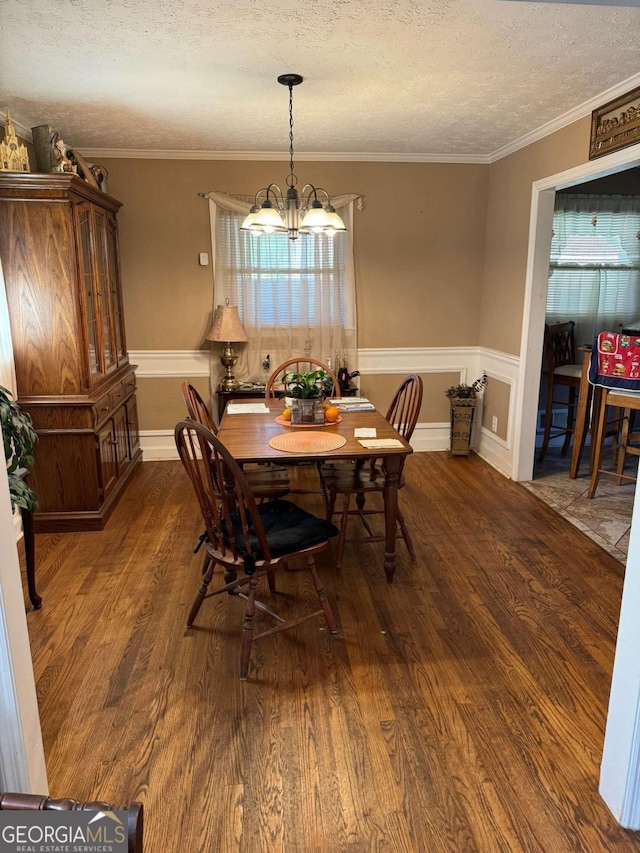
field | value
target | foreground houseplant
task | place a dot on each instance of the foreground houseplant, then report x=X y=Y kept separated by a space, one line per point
x=18 y=438
x=463 y=399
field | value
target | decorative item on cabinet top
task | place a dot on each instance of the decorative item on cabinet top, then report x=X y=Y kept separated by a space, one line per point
x=14 y=156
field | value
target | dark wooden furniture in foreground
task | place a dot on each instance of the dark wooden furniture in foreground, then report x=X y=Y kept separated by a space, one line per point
x=361 y=480
x=59 y=251
x=34 y=802
x=246 y=538
x=247 y=439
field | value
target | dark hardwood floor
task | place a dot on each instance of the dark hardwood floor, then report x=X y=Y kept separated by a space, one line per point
x=460 y=709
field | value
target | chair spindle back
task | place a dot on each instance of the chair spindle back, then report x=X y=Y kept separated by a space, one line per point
x=226 y=501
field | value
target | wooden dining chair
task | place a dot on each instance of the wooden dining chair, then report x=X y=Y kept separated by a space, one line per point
x=562 y=371
x=267 y=483
x=250 y=541
x=37 y=802
x=299 y=365
x=361 y=480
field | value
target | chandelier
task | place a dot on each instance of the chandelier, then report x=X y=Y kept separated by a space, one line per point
x=294 y=213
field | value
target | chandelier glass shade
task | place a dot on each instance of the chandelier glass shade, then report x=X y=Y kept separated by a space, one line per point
x=294 y=213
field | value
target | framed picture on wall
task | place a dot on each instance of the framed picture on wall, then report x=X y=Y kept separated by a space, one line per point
x=615 y=125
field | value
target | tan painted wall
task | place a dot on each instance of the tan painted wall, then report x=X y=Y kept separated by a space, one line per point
x=507 y=237
x=419 y=246
x=496 y=404
x=507 y=241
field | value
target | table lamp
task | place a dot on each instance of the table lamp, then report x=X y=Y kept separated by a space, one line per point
x=227 y=328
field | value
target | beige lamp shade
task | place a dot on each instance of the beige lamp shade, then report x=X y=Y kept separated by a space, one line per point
x=226 y=325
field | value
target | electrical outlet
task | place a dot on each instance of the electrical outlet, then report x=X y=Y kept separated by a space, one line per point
x=494 y=424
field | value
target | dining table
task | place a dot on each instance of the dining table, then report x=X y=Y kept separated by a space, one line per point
x=246 y=430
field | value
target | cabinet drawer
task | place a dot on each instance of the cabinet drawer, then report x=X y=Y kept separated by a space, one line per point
x=129 y=384
x=102 y=408
x=117 y=394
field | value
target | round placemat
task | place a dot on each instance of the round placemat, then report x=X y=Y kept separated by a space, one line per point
x=280 y=420
x=307 y=442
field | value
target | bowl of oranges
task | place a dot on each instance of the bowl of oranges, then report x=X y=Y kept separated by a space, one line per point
x=326 y=414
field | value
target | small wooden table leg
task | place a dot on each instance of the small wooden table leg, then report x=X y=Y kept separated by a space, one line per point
x=30 y=557
x=392 y=466
x=582 y=414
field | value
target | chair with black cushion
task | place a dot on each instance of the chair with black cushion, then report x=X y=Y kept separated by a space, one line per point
x=267 y=483
x=250 y=541
x=562 y=371
x=361 y=480
x=299 y=365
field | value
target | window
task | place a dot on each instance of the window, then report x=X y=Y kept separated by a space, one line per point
x=594 y=275
x=276 y=281
x=294 y=297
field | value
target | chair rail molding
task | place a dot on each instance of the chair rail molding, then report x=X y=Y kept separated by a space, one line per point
x=467 y=362
x=166 y=363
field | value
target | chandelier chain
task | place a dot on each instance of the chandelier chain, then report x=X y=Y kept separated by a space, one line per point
x=291 y=180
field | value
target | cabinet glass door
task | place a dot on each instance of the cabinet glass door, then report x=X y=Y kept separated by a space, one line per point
x=89 y=288
x=116 y=291
x=104 y=290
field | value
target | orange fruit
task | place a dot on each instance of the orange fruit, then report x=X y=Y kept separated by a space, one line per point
x=331 y=414
x=287 y=414
x=326 y=406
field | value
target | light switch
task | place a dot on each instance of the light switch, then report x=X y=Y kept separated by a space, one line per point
x=204 y=259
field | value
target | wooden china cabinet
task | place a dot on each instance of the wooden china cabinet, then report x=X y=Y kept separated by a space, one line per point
x=59 y=252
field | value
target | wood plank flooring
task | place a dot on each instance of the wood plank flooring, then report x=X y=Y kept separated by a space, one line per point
x=460 y=709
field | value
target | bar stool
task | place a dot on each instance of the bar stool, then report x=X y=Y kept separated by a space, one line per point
x=628 y=401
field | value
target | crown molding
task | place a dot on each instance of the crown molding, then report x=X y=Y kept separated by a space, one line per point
x=312 y=156
x=584 y=109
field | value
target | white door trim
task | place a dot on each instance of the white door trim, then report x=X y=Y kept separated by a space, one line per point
x=22 y=767
x=620 y=770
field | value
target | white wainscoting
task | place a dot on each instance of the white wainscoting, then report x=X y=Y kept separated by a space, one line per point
x=467 y=362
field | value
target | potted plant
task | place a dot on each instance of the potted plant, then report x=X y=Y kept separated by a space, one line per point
x=463 y=399
x=18 y=437
x=305 y=394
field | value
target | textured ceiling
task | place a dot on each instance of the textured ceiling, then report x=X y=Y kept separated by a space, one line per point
x=451 y=77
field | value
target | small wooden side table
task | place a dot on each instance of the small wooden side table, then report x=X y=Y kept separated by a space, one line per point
x=29 y=549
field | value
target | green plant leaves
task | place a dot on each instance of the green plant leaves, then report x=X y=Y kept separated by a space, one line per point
x=18 y=438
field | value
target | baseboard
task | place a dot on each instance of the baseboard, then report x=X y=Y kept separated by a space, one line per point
x=495 y=451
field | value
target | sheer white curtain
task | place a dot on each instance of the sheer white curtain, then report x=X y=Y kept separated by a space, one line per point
x=594 y=275
x=294 y=298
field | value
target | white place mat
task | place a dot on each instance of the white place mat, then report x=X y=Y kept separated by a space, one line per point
x=247 y=409
x=373 y=443
x=365 y=432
